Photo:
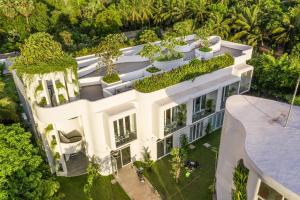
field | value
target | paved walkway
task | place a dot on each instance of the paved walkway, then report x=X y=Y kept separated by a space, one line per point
x=136 y=190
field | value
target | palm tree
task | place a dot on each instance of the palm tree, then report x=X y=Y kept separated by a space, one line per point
x=174 y=11
x=198 y=9
x=288 y=30
x=247 y=26
x=25 y=8
x=220 y=25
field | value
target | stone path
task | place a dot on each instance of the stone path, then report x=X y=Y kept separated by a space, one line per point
x=136 y=190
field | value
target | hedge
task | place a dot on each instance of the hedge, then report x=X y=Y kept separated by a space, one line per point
x=186 y=72
x=111 y=78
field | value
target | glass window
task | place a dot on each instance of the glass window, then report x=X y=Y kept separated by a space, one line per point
x=121 y=127
x=175 y=118
x=267 y=193
x=127 y=124
x=125 y=129
x=169 y=144
x=160 y=148
x=245 y=81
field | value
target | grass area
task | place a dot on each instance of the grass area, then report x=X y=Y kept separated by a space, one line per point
x=72 y=187
x=194 y=187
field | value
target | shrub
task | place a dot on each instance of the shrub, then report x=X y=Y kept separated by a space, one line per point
x=49 y=128
x=59 y=85
x=240 y=177
x=111 y=78
x=205 y=49
x=169 y=56
x=186 y=72
x=61 y=99
x=148 y=36
x=43 y=102
x=152 y=69
x=38 y=89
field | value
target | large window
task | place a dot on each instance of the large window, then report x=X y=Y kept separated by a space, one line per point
x=267 y=193
x=174 y=118
x=125 y=129
x=228 y=91
x=164 y=146
x=245 y=81
x=204 y=105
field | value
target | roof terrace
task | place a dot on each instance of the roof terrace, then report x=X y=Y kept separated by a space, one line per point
x=132 y=67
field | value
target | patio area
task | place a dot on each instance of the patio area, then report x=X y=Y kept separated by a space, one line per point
x=196 y=186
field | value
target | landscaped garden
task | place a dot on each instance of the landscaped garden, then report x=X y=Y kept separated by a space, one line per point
x=73 y=188
x=197 y=185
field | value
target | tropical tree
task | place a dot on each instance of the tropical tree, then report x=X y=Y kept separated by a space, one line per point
x=183 y=28
x=267 y=68
x=288 y=29
x=174 y=11
x=25 y=8
x=178 y=156
x=198 y=9
x=109 y=50
x=220 y=25
x=23 y=172
x=248 y=27
x=147 y=161
x=150 y=51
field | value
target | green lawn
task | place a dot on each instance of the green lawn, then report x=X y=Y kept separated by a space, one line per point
x=194 y=187
x=72 y=187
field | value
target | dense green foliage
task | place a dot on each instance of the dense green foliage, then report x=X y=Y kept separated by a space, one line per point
x=23 y=175
x=80 y=24
x=275 y=77
x=93 y=174
x=111 y=78
x=8 y=100
x=187 y=72
x=41 y=54
x=153 y=69
x=240 y=178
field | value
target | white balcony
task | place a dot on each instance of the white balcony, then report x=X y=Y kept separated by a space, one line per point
x=70 y=143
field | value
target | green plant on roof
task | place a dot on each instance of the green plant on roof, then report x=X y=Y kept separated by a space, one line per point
x=42 y=102
x=152 y=69
x=49 y=128
x=38 y=89
x=62 y=99
x=40 y=54
x=59 y=85
x=203 y=33
x=183 y=29
x=109 y=50
x=150 y=51
x=186 y=72
x=169 y=43
x=112 y=78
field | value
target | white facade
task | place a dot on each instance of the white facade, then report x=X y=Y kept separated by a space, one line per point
x=115 y=123
x=253 y=130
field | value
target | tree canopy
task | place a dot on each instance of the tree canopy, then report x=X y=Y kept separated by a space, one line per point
x=23 y=174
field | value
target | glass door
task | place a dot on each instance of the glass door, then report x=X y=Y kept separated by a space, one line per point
x=126 y=156
x=164 y=146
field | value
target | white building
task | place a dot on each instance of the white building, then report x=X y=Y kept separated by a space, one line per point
x=114 y=122
x=253 y=130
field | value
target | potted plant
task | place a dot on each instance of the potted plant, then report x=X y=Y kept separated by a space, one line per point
x=204 y=51
x=109 y=51
x=209 y=105
x=169 y=57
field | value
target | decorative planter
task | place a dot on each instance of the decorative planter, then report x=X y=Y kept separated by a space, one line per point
x=204 y=55
x=104 y=84
x=216 y=43
x=168 y=65
x=184 y=49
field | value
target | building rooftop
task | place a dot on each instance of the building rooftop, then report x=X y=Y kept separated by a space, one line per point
x=132 y=67
x=272 y=148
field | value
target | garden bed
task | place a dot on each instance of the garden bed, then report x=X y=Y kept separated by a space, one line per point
x=186 y=72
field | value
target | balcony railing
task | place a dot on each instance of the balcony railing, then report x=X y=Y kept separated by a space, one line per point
x=170 y=128
x=124 y=139
x=199 y=115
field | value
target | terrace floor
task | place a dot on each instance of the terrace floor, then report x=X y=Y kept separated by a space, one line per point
x=196 y=186
x=77 y=164
x=91 y=93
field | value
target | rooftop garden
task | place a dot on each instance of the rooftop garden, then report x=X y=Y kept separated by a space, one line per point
x=186 y=72
x=40 y=54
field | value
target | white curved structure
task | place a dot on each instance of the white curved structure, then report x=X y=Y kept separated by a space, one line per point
x=253 y=130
